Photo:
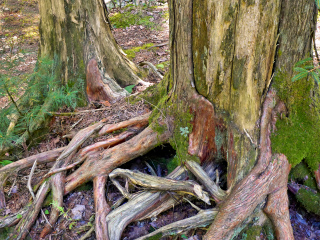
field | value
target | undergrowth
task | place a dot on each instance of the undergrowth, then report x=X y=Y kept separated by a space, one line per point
x=31 y=99
x=132 y=15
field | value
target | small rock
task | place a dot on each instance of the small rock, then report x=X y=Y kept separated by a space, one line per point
x=77 y=212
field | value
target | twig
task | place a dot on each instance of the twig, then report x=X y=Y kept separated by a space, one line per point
x=77 y=113
x=194 y=206
x=315 y=48
x=253 y=143
x=64 y=168
x=76 y=123
x=87 y=234
x=30 y=177
x=152 y=67
x=14 y=182
x=31 y=191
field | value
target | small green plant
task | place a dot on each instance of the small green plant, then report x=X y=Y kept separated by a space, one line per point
x=184 y=131
x=19 y=216
x=32 y=98
x=131 y=53
x=305 y=67
x=129 y=88
x=64 y=214
x=5 y=162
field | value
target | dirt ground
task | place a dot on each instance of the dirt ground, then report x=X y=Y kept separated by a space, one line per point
x=20 y=19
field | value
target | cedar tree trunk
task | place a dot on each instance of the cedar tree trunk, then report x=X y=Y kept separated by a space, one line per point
x=75 y=32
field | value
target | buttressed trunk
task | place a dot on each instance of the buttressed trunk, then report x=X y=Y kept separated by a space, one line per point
x=224 y=57
x=76 y=32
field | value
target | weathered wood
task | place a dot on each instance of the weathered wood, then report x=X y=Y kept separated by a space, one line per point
x=216 y=192
x=202 y=219
x=161 y=184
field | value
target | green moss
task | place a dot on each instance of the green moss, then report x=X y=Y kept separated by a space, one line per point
x=301 y=173
x=155 y=237
x=296 y=135
x=252 y=232
x=309 y=199
x=131 y=53
x=268 y=230
x=127 y=18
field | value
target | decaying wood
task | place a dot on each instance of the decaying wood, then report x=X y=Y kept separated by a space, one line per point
x=138 y=206
x=109 y=128
x=97 y=90
x=153 y=68
x=12 y=219
x=15 y=167
x=216 y=192
x=161 y=184
x=101 y=208
x=202 y=219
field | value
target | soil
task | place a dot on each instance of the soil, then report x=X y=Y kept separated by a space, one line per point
x=20 y=19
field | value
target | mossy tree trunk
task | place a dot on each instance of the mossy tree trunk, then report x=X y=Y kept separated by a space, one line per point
x=229 y=81
x=75 y=32
x=231 y=66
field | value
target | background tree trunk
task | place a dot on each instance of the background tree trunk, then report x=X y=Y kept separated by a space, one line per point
x=74 y=32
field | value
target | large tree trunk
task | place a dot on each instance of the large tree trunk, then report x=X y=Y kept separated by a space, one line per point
x=230 y=76
x=74 y=32
x=230 y=61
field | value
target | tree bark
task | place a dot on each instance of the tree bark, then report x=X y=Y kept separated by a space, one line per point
x=75 y=32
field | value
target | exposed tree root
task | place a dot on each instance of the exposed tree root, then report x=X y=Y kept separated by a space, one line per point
x=162 y=184
x=101 y=208
x=202 y=219
x=267 y=178
x=138 y=206
x=15 y=167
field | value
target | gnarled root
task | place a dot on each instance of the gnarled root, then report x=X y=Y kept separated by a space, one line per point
x=246 y=195
x=101 y=208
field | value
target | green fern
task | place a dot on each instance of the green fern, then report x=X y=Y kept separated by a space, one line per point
x=305 y=68
x=42 y=94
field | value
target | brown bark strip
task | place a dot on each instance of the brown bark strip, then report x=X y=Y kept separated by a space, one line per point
x=107 y=143
x=97 y=90
x=17 y=166
x=202 y=138
x=101 y=207
x=317 y=176
x=109 y=128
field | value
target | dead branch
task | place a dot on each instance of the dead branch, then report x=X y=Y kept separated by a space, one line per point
x=202 y=219
x=137 y=207
x=216 y=192
x=161 y=184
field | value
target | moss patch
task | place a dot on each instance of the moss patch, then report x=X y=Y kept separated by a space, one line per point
x=131 y=16
x=302 y=174
x=131 y=53
x=309 y=199
x=297 y=135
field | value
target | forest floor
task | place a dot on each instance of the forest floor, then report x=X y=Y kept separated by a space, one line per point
x=145 y=41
